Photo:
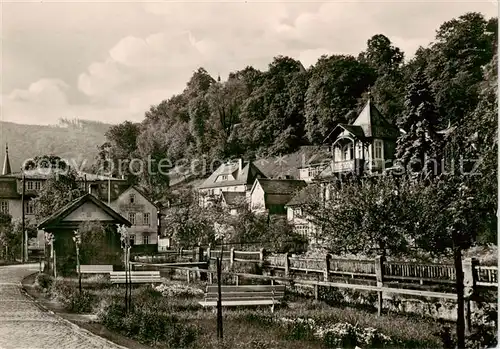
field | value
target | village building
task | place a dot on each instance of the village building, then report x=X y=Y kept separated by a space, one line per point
x=233 y=176
x=269 y=196
x=129 y=201
x=297 y=213
x=367 y=146
x=63 y=223
x=142 y=213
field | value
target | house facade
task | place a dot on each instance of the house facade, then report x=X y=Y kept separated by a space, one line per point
x=270 y=196
x=233 y=176
x=367 y=146
x=115 y=191
x=141 y=212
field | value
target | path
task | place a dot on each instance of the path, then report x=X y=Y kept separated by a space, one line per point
x=24 y=325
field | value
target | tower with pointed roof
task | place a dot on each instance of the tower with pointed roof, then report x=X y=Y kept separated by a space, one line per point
x=6 y=162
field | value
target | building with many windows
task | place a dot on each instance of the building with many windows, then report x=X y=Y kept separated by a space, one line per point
x=131 y=202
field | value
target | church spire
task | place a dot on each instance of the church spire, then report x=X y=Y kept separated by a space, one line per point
x=6 y=162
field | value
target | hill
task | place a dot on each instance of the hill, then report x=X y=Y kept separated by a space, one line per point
x=70 y=139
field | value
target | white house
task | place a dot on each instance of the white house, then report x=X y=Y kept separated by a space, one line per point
x=233 y=176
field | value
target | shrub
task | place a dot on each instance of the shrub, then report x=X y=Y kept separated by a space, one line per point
x=81 y=302
x=43 y=281
x=148 y=325
x=179 y=290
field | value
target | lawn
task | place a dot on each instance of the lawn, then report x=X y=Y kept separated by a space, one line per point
x=169 y=316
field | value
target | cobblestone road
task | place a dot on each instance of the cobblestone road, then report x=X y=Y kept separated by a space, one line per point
x=23 y=325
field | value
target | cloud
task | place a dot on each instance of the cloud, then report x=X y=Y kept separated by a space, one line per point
x=43 y=91
x=119 y=67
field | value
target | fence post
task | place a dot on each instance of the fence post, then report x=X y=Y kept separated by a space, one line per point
x=231 y=256
x=199 y=258
x=379 y=272
x=470 y=279
x=326 y=273
x=180 y=253
x=208 y=253
x=262 y=255
x=287 y=264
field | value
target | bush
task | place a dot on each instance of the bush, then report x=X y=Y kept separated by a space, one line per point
x=81 y=302
x=148 y=325
x=43 y=281
x=179 y=290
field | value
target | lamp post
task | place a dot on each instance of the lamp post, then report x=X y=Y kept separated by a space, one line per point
x=78 y=240
x=24 y=247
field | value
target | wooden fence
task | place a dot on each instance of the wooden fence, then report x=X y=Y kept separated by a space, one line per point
x=486 y=276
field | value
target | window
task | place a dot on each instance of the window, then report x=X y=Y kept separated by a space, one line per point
x=223 y=178
x=131 y=217
x=302 y=229
x=4 y=206
x=132 y=198
x=29 y=208
x=29 y=185
x=146 y=219
x=378 y=149
x=297 y=212
x=38 y=185
x=145 y=239
x=131 y=240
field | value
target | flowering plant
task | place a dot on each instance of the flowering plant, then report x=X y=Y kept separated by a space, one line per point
x=178 y=290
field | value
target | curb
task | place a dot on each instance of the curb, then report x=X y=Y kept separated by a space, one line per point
x=73 y=325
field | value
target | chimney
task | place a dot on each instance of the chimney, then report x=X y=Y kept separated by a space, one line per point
x=240 y=164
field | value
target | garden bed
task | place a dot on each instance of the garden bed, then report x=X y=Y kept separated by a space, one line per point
x=169 y=316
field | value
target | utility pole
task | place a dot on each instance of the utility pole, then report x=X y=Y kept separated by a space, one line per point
x=24 y=252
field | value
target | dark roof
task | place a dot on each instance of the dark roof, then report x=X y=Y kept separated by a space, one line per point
x=64 y=211
x=374 y=124
x=304 y=196
x=281 y=186
x=246 y=176
x=368 y=124
x=289 y=165
x=233 y=197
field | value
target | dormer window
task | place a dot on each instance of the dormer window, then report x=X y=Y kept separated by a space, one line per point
x=132 y=198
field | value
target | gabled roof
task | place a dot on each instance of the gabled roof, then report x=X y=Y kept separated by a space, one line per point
x=245 y=176
x=374 y=125
x=368 y=124
x=6 y=162
x=281 y=186
x=305 y=196
x=232 y=198
x=64 y=211
x=138 y=190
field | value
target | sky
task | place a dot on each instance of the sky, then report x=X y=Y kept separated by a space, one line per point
x=110 y=61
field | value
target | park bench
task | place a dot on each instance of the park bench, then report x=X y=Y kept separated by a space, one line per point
x=246 y=295
x=96 y=269
x=135 y=277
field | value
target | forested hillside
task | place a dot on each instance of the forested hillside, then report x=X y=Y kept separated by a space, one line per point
x=70 y=139
x=262 y=113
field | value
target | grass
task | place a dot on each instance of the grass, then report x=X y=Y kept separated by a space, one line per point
x=244 y=328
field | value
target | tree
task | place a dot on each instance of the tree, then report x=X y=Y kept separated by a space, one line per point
x=57 y=191
x=45 y=162
x=360 y=214
x=420 y=142
x=10 y=241
x=335 y=84
x=116 y=153
x=463 y=46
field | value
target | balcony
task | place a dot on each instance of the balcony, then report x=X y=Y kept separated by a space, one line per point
x=355 y=165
